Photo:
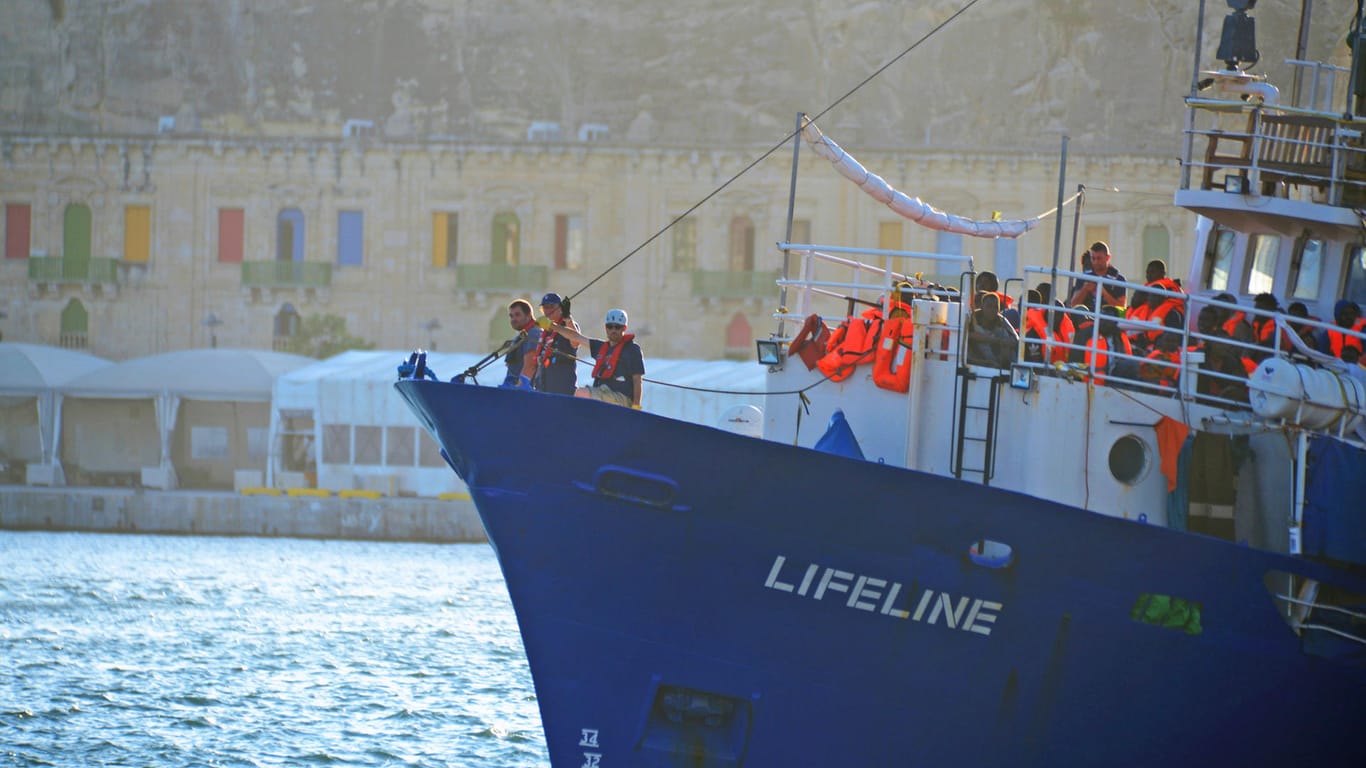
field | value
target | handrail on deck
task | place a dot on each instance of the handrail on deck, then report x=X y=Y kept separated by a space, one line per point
x=1279 y=148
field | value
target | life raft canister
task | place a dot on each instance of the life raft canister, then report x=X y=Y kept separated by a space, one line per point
x=892 y=362
x=851 y=345
x=810 y=342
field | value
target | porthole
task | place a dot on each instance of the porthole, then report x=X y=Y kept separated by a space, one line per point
x=1128 y=459
x=991 y=554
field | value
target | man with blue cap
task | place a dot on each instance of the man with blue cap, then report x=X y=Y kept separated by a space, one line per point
x=551 y=369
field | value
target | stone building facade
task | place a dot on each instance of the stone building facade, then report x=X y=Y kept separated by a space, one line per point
x=183 y=173
x=129 y=246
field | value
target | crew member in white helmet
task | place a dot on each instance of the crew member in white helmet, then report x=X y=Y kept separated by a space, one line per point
x=619 y=365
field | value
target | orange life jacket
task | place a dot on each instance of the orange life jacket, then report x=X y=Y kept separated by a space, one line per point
x=1264 y=329
x=1337 y=340
x=855 y=346
x=1100 y=348
x=606 y=366
x=892 y=361
x=1162 y=368
x=1230 y=325
x=1036 y=322
x=810 y=342
x=1159 y=313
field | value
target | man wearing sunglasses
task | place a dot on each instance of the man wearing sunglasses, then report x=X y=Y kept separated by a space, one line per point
x=620 y=366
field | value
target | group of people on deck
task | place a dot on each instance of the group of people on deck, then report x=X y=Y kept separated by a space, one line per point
x=994 y=328
x=544 y=355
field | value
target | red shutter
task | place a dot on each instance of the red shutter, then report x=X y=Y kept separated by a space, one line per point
x=230 y=222
x=17 y=217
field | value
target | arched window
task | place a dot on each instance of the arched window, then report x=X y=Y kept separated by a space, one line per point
x=739 y=336
x=1156 y=244
x=289 y=235
x=741 y=244
x=507 y=239
x=75 y=326
x=76 y=241
x=286 y=326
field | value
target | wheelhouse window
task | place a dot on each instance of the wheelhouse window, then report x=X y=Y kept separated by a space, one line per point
x=1261 y=272
x=1305 y=267
x=1355 y=287
x=1218 y=259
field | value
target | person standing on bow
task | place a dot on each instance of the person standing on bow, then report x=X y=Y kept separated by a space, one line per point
x=620 y=366
x=551 y=368
x=1087 y=290
x=523 y=321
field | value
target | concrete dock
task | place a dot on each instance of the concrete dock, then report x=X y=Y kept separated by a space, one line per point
x=209 y=513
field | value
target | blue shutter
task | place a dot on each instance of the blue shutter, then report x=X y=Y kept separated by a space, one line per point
x=350 y=237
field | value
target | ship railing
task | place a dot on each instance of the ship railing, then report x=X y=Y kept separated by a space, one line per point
x=881 y=289
x=1307 y=607
x=1196 y=379
x=1262 y=149
x=1323 y=93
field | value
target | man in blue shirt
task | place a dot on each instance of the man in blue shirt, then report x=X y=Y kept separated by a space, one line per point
x=523 y=322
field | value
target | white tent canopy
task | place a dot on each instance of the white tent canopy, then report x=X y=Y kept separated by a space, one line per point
x=362 y=433
x=241 y=375
x=215 y=375
x=34 y=372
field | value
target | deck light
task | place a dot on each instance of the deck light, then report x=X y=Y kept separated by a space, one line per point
x=770 y=352
x=1021 y=377
x=1235 y=183
x=1238 y=43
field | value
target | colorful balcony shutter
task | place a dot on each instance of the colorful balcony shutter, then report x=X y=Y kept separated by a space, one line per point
x=137 y=233
x=17 y=223
x=439 y=240
x=230 y=235
x=76 y=235
x=350 y=237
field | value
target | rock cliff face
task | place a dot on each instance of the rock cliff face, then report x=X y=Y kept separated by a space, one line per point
x=1009 y=73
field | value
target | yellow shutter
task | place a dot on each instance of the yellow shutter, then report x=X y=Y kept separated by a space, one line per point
x=439 y=240
x=137 y=233
x=889 y=235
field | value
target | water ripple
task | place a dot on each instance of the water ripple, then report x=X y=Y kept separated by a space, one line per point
x=257 y=653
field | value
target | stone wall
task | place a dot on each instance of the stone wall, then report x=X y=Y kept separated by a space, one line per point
x=225 y=514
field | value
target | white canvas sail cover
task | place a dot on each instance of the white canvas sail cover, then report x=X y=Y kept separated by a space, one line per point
x=910 y=207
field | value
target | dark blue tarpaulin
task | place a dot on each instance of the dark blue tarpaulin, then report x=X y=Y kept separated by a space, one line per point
x=839 y=438
x=1335 y=501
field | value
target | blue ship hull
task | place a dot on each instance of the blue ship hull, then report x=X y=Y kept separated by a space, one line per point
x=688 y=596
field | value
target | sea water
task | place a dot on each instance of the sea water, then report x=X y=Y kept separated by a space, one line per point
x=128 y=650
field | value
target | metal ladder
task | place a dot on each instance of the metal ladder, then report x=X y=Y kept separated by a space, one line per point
x=981 y=432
